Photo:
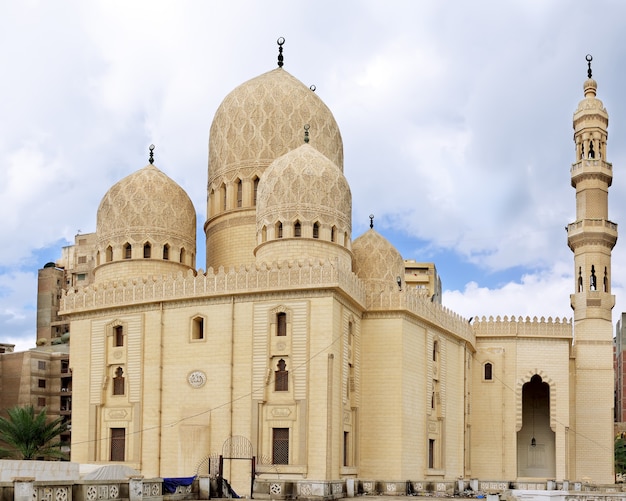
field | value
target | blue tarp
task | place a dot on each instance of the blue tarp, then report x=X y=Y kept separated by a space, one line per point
x=170 y=484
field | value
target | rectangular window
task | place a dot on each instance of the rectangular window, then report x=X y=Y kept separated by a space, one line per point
x=346 y=448
x=431 y=453
x=281 y=324
x=41 y=365
x=197 y=328
x=280 y=445
x=82 y=259
x=42 y=383
x=118 y=444
x=118 y=339
x=41 y=402
x=81 y=276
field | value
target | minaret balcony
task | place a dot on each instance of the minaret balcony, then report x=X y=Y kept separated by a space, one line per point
x=592 y=167
x=591 y=232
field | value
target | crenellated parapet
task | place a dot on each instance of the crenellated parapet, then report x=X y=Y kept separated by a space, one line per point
x=231 y=281
x=523 y=327
x=420 y=303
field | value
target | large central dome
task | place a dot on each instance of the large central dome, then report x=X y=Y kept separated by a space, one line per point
x=263 y=119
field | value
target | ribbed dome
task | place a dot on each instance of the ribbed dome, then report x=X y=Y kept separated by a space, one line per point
x=263 y=119
x=304 y=184
x=376 y=260
x=146 y=204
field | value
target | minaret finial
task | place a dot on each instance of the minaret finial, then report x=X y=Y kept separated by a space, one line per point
x=589 y=58
x=371 y=220
x=280 y=43
x=151 y=159
x=306 y=132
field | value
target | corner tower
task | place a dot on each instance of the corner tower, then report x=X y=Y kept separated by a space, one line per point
x=591 y=238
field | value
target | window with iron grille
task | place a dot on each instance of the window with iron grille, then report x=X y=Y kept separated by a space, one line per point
x=281 y=377
x=118 y=444
x=118 y=382
x=280 y=445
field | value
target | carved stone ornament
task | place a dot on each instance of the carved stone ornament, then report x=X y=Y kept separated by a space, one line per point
x=196 y=379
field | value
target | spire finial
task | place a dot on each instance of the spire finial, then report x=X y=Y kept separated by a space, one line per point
x=151 y=159
x=306 y=132
x=280 y=43
x=589 y=58
x=371 y=220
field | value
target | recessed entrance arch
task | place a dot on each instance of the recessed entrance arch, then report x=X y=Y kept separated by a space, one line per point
x=536 y=452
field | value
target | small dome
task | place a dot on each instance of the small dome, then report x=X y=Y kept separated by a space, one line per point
x=307 y=185
x=376 y=261
x=146 y=204
x=263 y=119
x=590 y=106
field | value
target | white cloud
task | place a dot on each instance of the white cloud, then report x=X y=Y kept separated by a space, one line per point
x=456 y=119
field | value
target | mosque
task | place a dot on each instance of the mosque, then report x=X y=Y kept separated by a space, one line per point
x=302 y=360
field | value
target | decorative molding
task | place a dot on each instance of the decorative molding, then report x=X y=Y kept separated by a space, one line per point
x=196 y=379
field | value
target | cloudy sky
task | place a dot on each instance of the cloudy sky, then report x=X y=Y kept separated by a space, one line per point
x=456 y=118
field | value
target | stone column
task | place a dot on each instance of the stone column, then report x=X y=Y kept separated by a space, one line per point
x=23 y=488
x=135 y=488
x=204 y=487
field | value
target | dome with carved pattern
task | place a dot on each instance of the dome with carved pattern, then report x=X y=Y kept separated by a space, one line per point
x=305 y=185
x=147 y=205
x=263 y=119
x=376 y=261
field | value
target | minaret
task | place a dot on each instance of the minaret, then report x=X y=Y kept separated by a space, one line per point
x=592 y=237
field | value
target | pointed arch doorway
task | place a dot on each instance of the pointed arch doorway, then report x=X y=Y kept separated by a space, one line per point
x=536 y=442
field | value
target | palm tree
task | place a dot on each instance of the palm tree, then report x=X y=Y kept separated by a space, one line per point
x=28 y=435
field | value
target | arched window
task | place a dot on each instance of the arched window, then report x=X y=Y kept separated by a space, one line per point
x=118 y=382
x=166 y=252
x=212 y=202
x=109 y=254
x=592 y=279
x=580 y=279
x=264 y=234
x=281 y=377
x=147 y=250
x=297 y=229
x=435 y=350
x=255 y=190
x=488 y=376
x=183 y=255
x=316 y=230
x=239 y=186
x=128 y=251
x=223 y=196
x=333 y=234
x=279 y=230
